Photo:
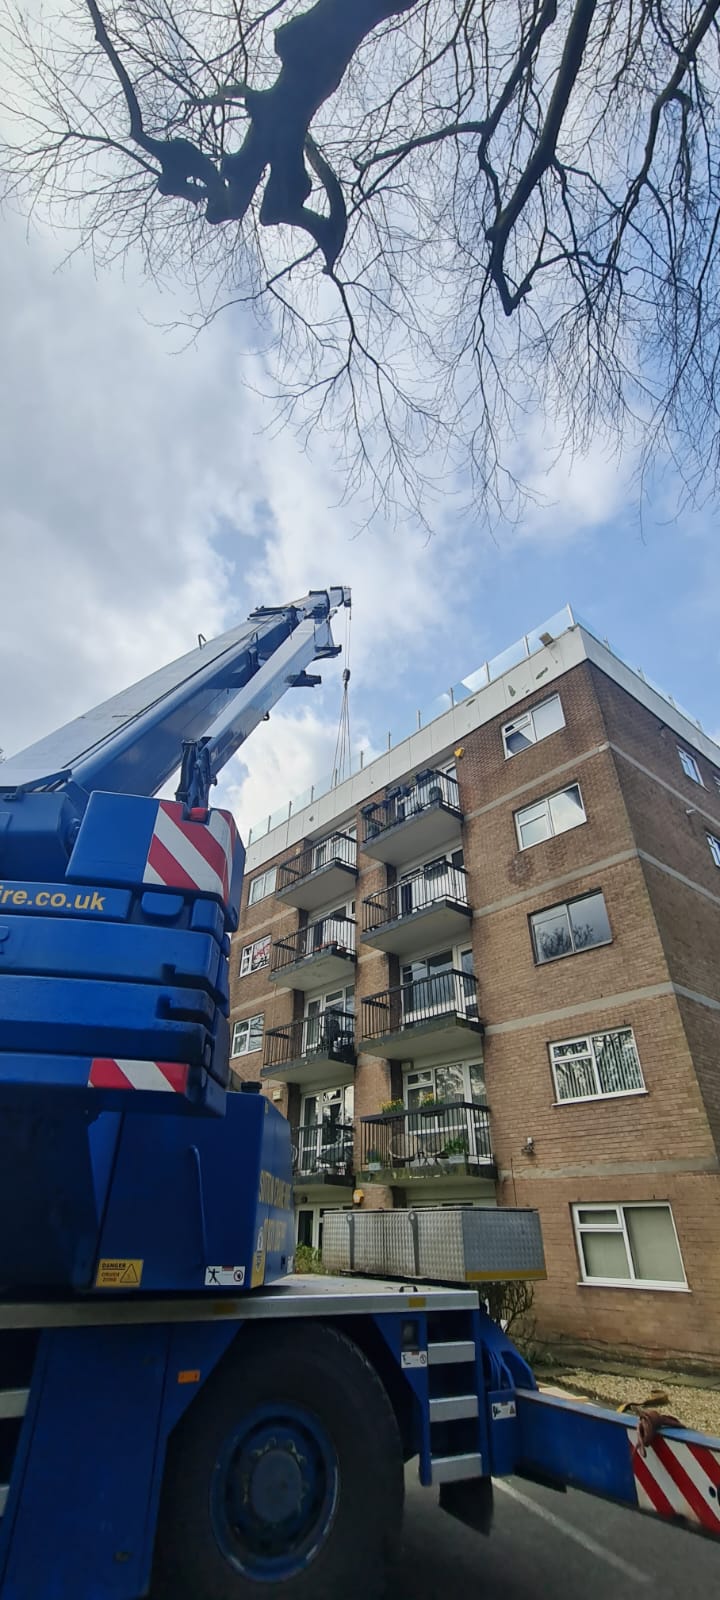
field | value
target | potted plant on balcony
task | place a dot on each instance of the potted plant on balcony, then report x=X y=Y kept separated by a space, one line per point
x=392 y=1108
x=454 y=1153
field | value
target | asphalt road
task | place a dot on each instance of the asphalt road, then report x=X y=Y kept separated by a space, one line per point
x=550 y=1546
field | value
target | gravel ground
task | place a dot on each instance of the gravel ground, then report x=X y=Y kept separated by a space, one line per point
x=694 y=1407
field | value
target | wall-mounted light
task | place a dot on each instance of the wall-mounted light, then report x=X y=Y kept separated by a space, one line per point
x=529 y=1146
x=358 y=1196
x=546 y=638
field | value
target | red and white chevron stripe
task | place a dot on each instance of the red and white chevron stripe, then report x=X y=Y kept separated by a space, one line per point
x=169 y=1077
x=678 y=1479
x=189 y=854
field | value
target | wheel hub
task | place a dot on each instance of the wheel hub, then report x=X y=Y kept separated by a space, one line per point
x=274 y=1492
x=276 y=1486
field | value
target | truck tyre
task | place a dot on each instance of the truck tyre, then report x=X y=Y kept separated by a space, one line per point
x=285 y=1477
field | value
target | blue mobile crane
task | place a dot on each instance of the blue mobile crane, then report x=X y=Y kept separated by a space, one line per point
x=177 y=1409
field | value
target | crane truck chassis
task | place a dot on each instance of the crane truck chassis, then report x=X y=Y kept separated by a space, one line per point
x=179 y=1412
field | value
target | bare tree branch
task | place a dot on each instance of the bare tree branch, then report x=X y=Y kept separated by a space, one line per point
x=509 y=210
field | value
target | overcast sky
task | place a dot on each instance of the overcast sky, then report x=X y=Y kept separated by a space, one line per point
x=141 y=502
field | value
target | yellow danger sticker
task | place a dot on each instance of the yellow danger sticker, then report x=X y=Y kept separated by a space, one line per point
x=118 y=1274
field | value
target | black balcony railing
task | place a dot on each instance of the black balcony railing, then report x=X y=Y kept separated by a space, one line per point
x=444 y=994
x=450 y=1136
x=333 y=935
x=429 y=789
x=339 y=850
x=328 y=1036
x=324 y=1149
x=418 y=892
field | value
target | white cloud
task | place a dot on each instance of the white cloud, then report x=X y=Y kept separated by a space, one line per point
x=572 y=494
x=115 y=461
x=142 y=503
x=287 y=754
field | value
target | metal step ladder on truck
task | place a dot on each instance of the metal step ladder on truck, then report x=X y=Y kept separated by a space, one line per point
x=179 y=1414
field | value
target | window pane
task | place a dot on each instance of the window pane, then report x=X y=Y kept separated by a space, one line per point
x=518 y=735
x=551 y=934
x=589 y=922
x=477 y=1082
x=305 y=1227
x=604 y=1255
x=653 y=1244
x=714 y=848
x=533 y=825
x=600 y=1216
x=245 y=960
x=310 y=1111
x=617 y=1061
x=256 y=1033
x=574 y=1073
x=548 y=717
x=449 y=1083
x=689 y=765
x=566 y=809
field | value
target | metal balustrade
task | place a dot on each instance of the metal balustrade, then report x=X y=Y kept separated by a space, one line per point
x=452 y=1137
x=331 y=934
x=442 y=995
x=340 y=849
x=417 y=892
x=329 y=1036
x=323 y=1149
x=429 y=790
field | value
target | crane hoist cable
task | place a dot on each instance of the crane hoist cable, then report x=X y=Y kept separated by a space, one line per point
x=343 y=759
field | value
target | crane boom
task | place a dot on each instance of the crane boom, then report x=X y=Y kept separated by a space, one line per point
x=132 y=743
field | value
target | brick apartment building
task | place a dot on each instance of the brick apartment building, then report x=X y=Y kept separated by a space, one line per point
x=485 y=970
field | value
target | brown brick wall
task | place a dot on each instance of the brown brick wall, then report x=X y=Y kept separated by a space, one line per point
x=616 y=1149
x=638 y=732
x=667 y=1122
x=512 y=986
x=656 y=1323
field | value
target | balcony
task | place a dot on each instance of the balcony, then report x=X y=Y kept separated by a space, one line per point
x=322 y=955
x=414 y=819
x=318 y=1050
x=323 y=1152
x=323 y=872
x=429 y=906
x=450 y=1139
x=419 y=1019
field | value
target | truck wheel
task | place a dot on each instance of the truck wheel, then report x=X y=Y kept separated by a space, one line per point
x=285 y=1477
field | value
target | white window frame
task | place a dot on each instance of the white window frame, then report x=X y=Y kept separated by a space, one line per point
x=565 y=906
x=600 y=1093
x=262 y=885
x=526 y=723
x=690 y=766
x=247 y=1022
x=714 y=843
x=420 y=1070
x=246 y=956
x=675 y=1286
x=457 y=952
x=547 y=800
